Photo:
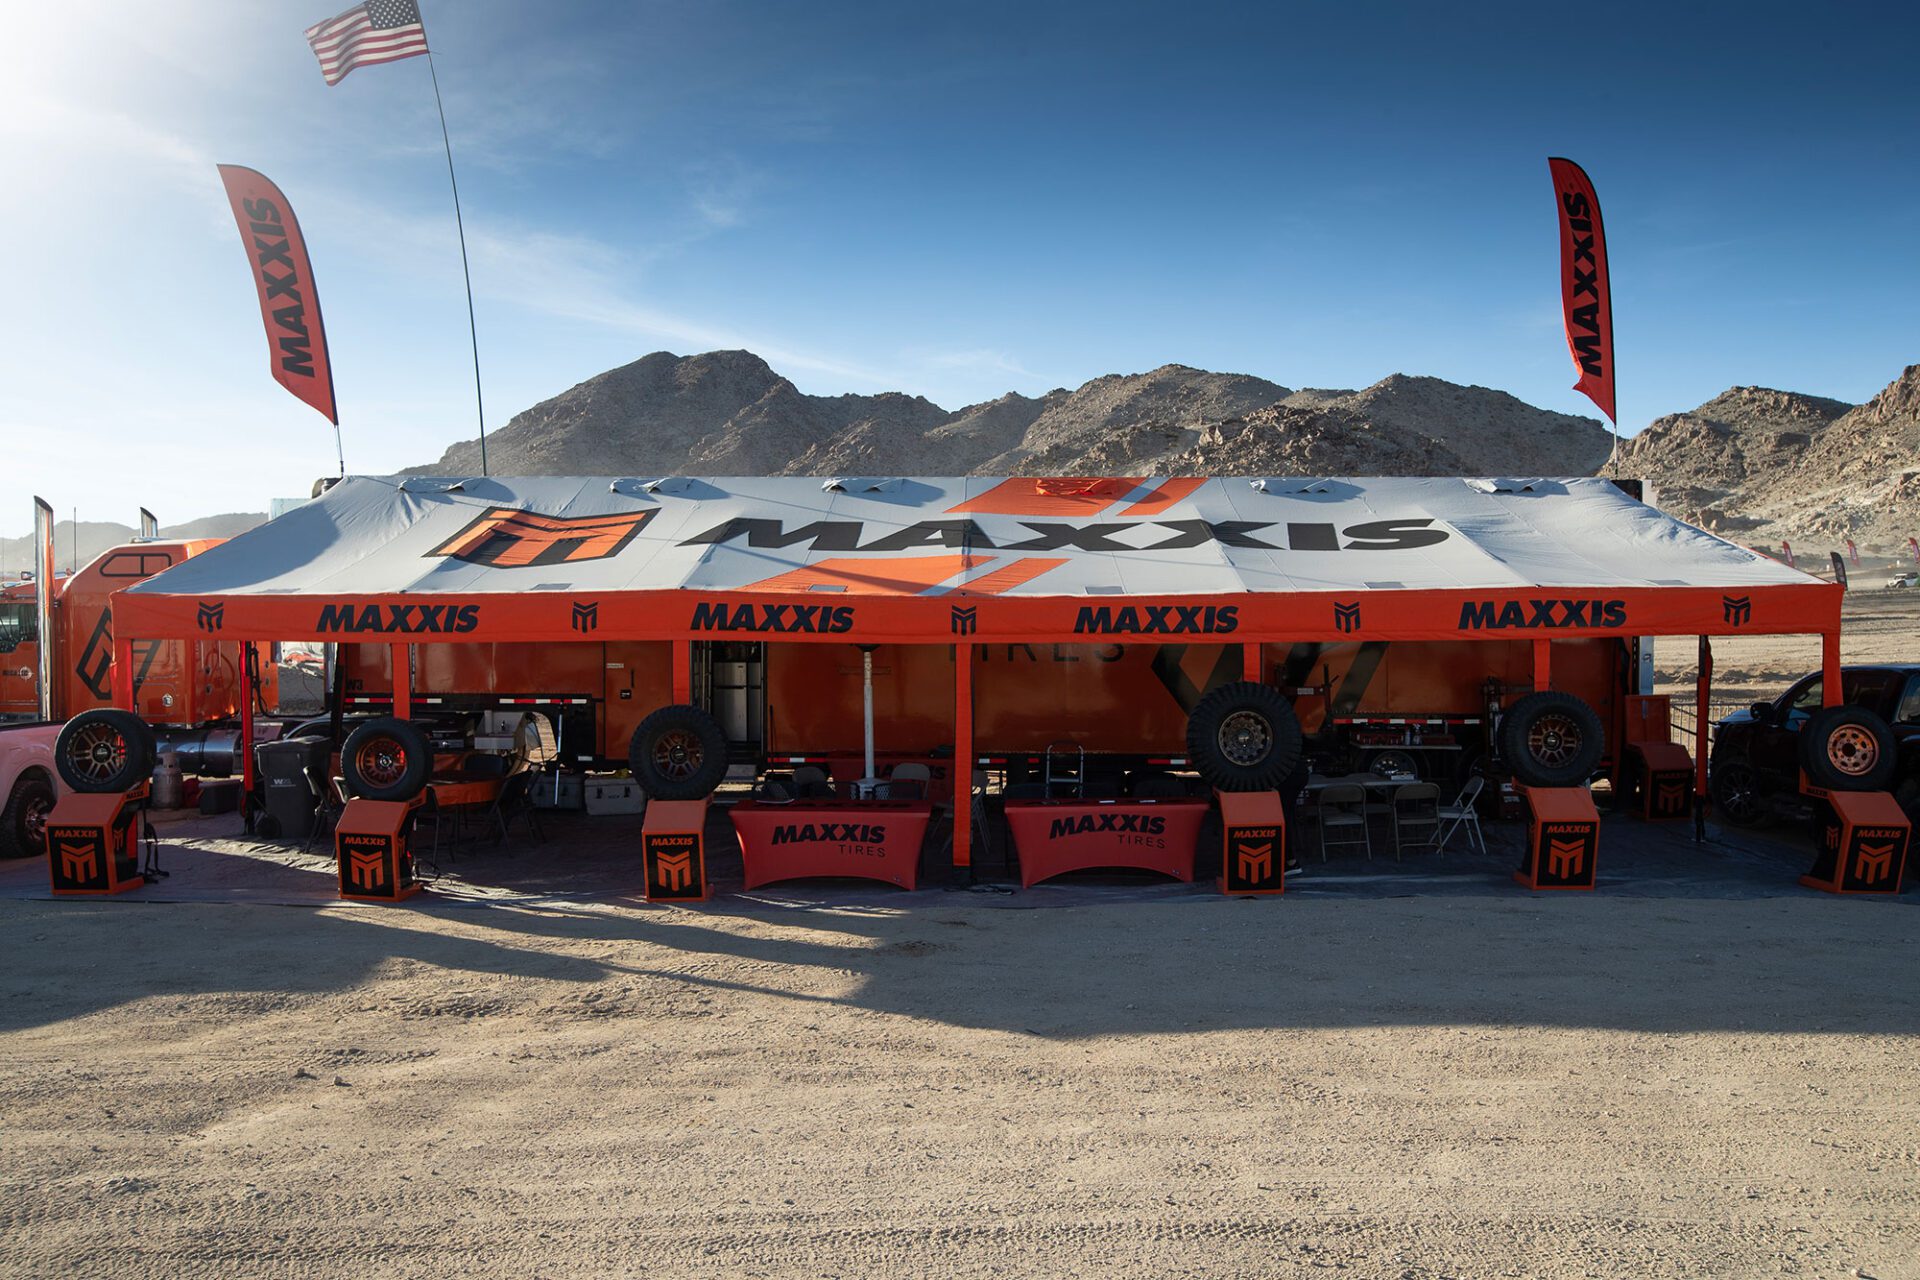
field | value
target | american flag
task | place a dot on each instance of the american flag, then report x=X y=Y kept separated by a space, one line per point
x=377 y=31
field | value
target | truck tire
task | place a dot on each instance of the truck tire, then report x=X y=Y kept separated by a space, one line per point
x=678 y=753
x=1734 y=787
x=386 y=759
x=1848 y=749
x=1244 y=737
x=104 y=750
x=1551 y=739
x=23 y=823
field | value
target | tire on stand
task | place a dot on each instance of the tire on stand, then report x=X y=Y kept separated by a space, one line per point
x=1551 y=739
x=1244 y=737
x=386 y=759
x=678 y=753
x=104 y=750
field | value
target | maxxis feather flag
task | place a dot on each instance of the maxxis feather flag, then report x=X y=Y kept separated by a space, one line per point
x=1853 y=553
x=1585 y=295
x=283 y=277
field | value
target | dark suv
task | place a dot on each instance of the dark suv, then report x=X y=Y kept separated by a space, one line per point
x=1872 y=743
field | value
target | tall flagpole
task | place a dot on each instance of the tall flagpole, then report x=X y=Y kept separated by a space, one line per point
x=473 y=333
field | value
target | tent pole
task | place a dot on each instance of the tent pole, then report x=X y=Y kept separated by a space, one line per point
x=1830 y=683
x=1542 y=665
x=402 y=664
x=248 y=657
x=866 y=704
x=122 y=678
x=683 y=672
x=1702 y=694
x=963 y=757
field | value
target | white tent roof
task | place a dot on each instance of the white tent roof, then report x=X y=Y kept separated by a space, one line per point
x=891 y=535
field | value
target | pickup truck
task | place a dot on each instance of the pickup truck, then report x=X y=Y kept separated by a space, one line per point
x=28 y=785
x=1758 y=754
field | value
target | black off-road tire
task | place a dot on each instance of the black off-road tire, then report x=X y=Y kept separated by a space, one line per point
x=1552 y=739
x=1244 y=737
x=104 y=750
x=1848 y=749
x=23 y=823
x=386 y=759
x=1734 y=787
x=678 y=753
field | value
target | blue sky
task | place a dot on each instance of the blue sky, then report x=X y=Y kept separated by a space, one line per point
x=955 y=201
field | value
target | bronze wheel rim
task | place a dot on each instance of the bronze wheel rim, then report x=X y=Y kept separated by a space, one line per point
x=97 y=753
x=1554 y=740
x=678 y=754
x=382 y=762
x=1852 y=751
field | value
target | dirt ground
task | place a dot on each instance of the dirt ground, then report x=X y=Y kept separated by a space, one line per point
x=1485 y=1085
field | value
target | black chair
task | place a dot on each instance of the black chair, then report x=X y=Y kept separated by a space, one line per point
x=515 y=801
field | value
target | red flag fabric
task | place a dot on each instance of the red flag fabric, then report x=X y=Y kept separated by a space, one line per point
x=374 y=32
x=1853 y=553
x=1584 y=292
x=1913 y=549
x=283 y=276
x=1787 y=547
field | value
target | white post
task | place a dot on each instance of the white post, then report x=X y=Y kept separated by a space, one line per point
x=866 y=689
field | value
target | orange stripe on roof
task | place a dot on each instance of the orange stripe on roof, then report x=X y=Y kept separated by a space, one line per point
x=1169 y=492
x=1051 y=496
x=1008 y=576
x=903 y=576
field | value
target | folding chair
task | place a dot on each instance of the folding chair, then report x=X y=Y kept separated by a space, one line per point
x=1342 y=812
x=515 y=801
x=1462 y=813
x=909 y=781
x=333 y=803
x=810 y=783
x=1416 y=817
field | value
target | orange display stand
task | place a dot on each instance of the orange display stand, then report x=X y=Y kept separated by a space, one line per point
x=93 y=843
x=1053 y=837
x=1253 y=850
x=1666 y=779
x=1863 y=842
x=866 y=839
x=1563 y=838
x=373 y=844
x=673 y=843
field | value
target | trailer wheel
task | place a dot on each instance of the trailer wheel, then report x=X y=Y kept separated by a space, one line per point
x=1848 y=749
x=1244 y=737
x=386 y=759
x=23 y=824
x=104 y=750
x=1551 y=740
x=678 y=753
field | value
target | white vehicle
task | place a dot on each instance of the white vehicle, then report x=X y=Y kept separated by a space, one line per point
x=1900 y=580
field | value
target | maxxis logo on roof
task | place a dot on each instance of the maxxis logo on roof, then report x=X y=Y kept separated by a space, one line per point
x=509 y=538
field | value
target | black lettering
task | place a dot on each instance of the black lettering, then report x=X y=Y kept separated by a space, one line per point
x=1575 y=203
x=932 y=533
x=271 y=252
x=1312 y=537
x=1477 y=615
x=821 y=535
x=262 y=210
x=1586 y=348
x=287 y=286
x=1393 y=535
x=1053 y=537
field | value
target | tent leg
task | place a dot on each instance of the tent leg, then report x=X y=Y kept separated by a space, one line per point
x=1830 y=682
x=683 y=672
x=963 y=758
x=1701 y=729
x=249 y=657
x=1250 y=664
x=1542 y=665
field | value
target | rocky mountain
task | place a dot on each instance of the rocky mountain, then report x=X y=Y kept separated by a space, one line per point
x=91 y=537
x=1762 y=465
x=727 y=411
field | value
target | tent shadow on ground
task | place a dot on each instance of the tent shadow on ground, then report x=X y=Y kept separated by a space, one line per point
x=1719 y=940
